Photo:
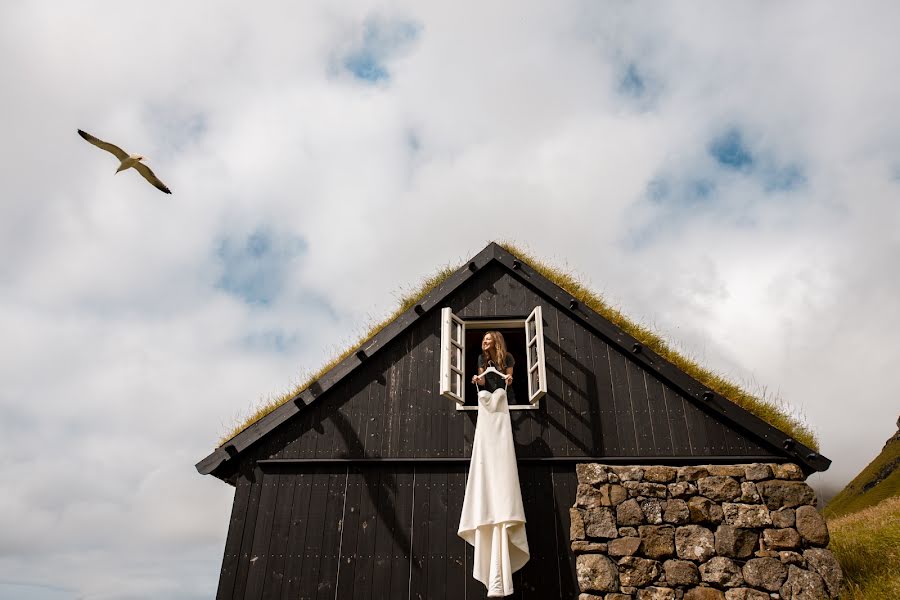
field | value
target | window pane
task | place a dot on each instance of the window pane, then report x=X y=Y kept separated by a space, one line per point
x=455 y=331
x=534 y=381
x=454 y=383
x=455 y=356
x=533 y=354
x=531 y=329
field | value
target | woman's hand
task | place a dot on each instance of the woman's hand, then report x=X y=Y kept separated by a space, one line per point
x=508 y=379
x=479 y=380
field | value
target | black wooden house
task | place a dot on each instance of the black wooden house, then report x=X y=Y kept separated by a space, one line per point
x=353 y=489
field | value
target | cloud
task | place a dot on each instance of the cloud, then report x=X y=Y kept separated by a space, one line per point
x=726 y=173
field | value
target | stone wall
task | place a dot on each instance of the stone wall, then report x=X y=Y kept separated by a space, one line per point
x=715 y=532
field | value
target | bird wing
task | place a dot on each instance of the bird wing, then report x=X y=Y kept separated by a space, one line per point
x=149 y=176
x=112 y=148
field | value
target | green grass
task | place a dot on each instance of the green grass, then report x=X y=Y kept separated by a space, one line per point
x=867 y=544
x=766 y=409
x=855 y=496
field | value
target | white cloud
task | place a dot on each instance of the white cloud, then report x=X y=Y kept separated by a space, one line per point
x=124 y=357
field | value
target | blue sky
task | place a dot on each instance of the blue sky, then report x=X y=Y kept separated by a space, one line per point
x=727 y=174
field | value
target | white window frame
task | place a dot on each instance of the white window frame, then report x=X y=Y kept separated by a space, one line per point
x=448 y=345
x=536 y=367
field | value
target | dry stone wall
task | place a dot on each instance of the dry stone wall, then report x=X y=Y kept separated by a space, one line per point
x=715 y=532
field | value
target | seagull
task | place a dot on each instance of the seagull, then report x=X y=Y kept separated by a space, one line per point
x=127 y=160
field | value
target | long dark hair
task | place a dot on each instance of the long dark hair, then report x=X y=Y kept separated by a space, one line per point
x=498 y=349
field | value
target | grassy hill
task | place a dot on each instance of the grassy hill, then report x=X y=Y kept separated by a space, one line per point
x=864 y=522
x=878 y=481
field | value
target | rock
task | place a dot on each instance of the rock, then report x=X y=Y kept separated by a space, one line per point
x=703 y=593
x=703 y=510
x=628 y=473
x=596 y=573
x=637 y=572
x=755 y=472
x=576 y=524
x=657 y=541
x=746 y=515
x=660 y=474
x=595 y=597
x=692 y=473
x=652 y=510
x=719 y=489
x=785 y=494
x=780 y=539
x=823 y=562
x=580 y=546
x=693 y=542
x=656 y=593
x=749 y=493
x=721 y=571
x=788 y=471
x=811 y=526
x=726 y=470
x=624 y=546
x=783 y=518
x=587 y=496
x=735 y=542
x=600 y=523
x=676 y=512
x=681 y=572
x=591 y=473
x=745 y=594
x=766 y=573
x=627 y=532
x=617 y=597
x=802 y=585
x=645 y=488
x=789 y=557
x=629 y=513
x=682 y=489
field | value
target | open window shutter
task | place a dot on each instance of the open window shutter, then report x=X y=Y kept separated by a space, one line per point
x=534 y=351
x=453 y=351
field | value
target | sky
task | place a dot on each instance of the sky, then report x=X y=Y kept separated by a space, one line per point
x=727 y=173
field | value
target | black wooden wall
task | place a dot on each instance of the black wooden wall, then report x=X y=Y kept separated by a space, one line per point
x=383 y=532
x=318 y=515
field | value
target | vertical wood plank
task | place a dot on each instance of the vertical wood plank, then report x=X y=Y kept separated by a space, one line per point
x=281 y=526
x=625 y=429
x=366 y=533
x=456 y=546
x=312 y=555
x=437 y=535
x=384 y=531
x=348 y=550
x=232 y=552
x=331 y=536
x=400 y=548
x=556 y=414
x=253 y=507
x=640 y=409
x=659 y=416
x=302 y=484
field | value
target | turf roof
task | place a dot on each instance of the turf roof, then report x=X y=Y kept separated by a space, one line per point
x=770 y=410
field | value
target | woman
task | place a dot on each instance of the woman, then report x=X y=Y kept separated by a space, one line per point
x=493 y=353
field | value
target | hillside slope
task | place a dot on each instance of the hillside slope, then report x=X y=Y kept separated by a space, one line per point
x=878 y=481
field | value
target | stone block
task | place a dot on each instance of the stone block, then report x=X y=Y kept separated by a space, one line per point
x=811 y=526
x=682 y=489
x=585 y=596
x=780 y=539
x=628 y=532
x=735 y=542
x=746 y=515
x=624 y=546
x=600 y=523
x=703 y=593
x=692 y=473
x=757 y=472
x=656 y=593
x=693 y=542
x=749 y=494
x=681 y=572
x=823 y=562
x=637 y=572
x=783 y=518
x=629 y=513
x=657 y=541
x=726 y=470
x=785 y=494
x=676 y=512
x=628 y=473
x=745 y=594
x=719 y=489
x=576 y=524
x=803 y=585
x=658 y=474
x=587 y=496
x=591 y=473
x=721 y=571
x=652 y=509
x=704 y=510
x=646 y=489
x=596 y=573
x=788 y=471
x=789 y=557
x=766 y=573
x=582 y=546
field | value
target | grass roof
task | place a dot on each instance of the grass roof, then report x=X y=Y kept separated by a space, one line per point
x=770 y=409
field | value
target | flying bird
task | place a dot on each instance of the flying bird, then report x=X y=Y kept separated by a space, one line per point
x=127 y=161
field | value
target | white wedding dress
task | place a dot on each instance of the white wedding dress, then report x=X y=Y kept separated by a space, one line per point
x=493 y=519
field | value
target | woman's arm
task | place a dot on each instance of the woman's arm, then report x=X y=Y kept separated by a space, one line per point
x=479 y=379
x=508 y=376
